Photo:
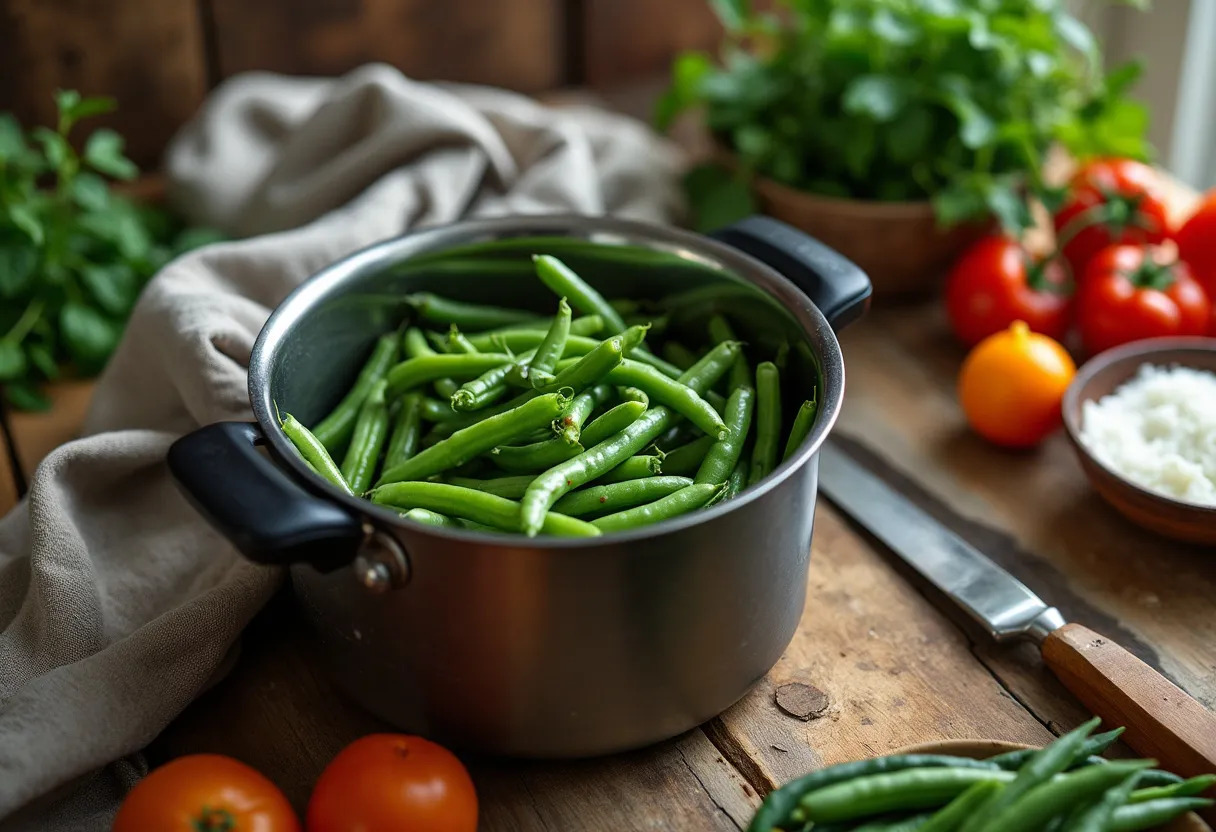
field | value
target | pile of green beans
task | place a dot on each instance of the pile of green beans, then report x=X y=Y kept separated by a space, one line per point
x=493 y=418
x=1064 y=787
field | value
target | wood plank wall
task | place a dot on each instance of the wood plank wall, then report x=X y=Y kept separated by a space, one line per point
x=160 y=57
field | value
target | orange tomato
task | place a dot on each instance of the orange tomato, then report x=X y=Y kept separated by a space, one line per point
x=205 y=793
x=393 y=783
x=1011 y=385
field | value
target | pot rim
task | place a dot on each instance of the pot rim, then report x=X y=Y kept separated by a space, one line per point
x=687 y=244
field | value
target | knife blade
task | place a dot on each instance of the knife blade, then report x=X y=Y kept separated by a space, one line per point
x=1162 y=721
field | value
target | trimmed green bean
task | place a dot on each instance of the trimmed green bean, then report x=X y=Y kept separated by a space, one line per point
x=611 y=422
x=471 y=317
x=406 y=437
x=335 y=430
x=803 y=423
x=534 y=457
x=499 y=339
x=416 y=371
x=671 y=393
x=1097 y=817
x=768 y=421
x=363 y=453
x=458 y=343
x=414 y=343
x=1154 y=813
x=1096 y=744
x=720 y=331
x=711 y=366
x=633 y=394
x=1183 y=788
x=434 y=410
x=952 y=816
x=478 y=506
x=430 y=518
x=738 y=478
x=563 y=282
x=679 y=355
x=723 y=455
x=679 y=502
x=617 y=496
x=581 y=373
x=484 y=390
x=445 y=387
x=897 y=791
x=313 y=452
x=686 y=459
x=539 y=367
x=1035 y=807
x=570 y=424
x=476 y=439
x=510 y=487
x=634 y=468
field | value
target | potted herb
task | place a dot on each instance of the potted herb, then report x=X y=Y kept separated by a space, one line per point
x=896 y=131
x=74 y=253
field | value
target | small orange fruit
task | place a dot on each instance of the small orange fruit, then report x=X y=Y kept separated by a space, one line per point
x=1011 y=385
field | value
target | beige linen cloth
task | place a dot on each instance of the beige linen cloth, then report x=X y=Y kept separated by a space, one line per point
x=118 y=604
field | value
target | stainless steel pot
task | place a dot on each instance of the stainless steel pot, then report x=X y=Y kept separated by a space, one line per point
x=545 y=647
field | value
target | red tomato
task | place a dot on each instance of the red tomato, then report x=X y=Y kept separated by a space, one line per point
x=995 y=283
x=393 y=783
x=1126 y=200
x=1131 y=292
x=205 y=793
x=1197 y=243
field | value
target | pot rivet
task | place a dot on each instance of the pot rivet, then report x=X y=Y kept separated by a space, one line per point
x=381 y=564
x=374 y=576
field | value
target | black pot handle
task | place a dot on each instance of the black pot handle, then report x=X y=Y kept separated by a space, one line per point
x=833 y=282
x=254 y=503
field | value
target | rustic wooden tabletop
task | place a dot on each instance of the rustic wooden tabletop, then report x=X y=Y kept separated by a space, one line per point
x=875 y=665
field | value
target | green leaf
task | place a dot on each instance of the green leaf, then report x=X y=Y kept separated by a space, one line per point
x=12 y=140
x=1077 y=35
x=1008 y=206
x=72 y=108
x=114 y=287
x=54 y=146
x=40 y=356
x=103 y=152
x=859 y=153
x=732 y=13
x=688 y=71
x=894 y=29
x=90 y=191
x=880 y=97
x=88 y=335
x=908 y=136
x=17 y=263
x=25 y=396
x=12 y=361
x=122 y=229
x=717 y=197
x=22 y=216
x=976 y=129
x=957 y=204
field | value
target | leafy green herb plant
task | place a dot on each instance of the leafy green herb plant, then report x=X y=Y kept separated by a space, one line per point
x=957 y=101
x=73 y=253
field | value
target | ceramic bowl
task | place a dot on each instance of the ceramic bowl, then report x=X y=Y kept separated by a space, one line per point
x=983 y=749
x=1100 y=376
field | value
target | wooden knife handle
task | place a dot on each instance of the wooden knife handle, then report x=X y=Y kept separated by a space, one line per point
x=1162 y=721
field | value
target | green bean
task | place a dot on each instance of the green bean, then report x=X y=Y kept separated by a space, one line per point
x=616 y=496
x=803 y=423
x=590 y=464
x=679 y=502
x=414 y=343
x=1183 y=788
x=738 y=478
x=901 y=790
x=634 y=468
x=313 y=452
x=406 y=437
x=430 y=518
x=584 y=404
x=562 y=280
x=484 y=390
x=952 y=816
x=1155 y=777
x=476 y=439
x=471 y=317
x=612 y=422
x=444 y=388
x=668 y=392
x=433 y=410
x=458 y=343
x=478 y=506
x=371 y=428
x=723 y=455
x=334 y=430
x=1013 y=760
x=581 y=373
x=777 y=807
x=534 y=457
x=1037 y=769
x=633 y=394
x=1033 y=808
x=686 y=459
x=1154 y=813
x=415 y=371
x=711 y=366
x=533 y=333
x=719 y=332
x=1096 y=818
x=665 y=368
x=768 y=422
x=510 y=487
x=679 y=355
x=438 y=343
x=539 y=366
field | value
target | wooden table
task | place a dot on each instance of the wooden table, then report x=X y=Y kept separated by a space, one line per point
x=874 y=666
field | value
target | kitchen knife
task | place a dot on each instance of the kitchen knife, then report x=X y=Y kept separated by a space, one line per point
x=1162 y=721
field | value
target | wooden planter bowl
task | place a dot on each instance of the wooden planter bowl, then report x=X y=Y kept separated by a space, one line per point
x=983 y=749
x=897 y=243
x=1099 y=377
